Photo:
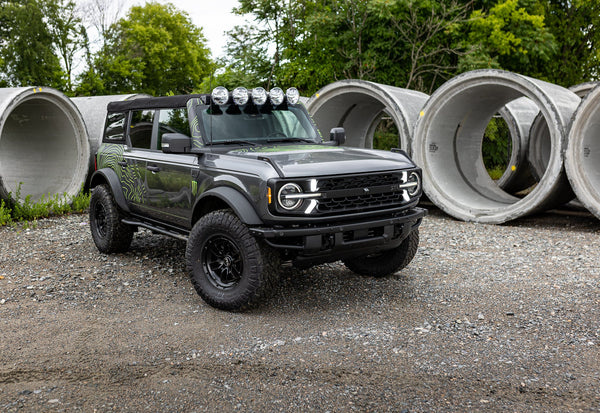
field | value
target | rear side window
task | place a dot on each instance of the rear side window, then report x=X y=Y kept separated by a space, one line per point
x=115 y=124
x=140 y=132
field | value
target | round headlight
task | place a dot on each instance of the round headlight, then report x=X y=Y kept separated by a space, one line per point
x=293 y=96
x=240 y=95
x=286 y=197
x=259 y=96
x=220 y=95
x=415 y=180
x=276 y=95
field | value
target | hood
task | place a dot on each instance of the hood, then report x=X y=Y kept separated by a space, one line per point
x=314 y=160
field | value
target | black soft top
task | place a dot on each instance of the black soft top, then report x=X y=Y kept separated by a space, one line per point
x=178 y=101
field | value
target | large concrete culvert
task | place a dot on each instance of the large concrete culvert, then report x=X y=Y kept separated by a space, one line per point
x=582 y=159
x=93 y=111
x=357 y=105
x=448 y=139
x=44 y=146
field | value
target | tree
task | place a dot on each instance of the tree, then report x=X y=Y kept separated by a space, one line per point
x=575 y=25
x=27 y=47
x=426 y=38
x=511 y=36
x=69 y=36
x=155 y=49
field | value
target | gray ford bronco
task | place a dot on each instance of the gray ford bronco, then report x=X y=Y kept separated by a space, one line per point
x=246 y=179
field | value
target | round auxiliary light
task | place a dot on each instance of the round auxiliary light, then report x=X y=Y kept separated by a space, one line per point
x=415 y=180
x=220 y=95
x=286 y=197
x=293 y=96
x=240 y=95
x=276 y=95
x=259 y=96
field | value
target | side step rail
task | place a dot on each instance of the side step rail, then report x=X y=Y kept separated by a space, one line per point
x=156 y=228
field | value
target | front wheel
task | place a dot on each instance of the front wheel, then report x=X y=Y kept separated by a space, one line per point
x=108 y=232
x=386 y=262
x=230 y=270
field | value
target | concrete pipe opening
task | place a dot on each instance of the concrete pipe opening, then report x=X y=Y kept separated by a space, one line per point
x=582 y=159
x=93 y=111
x=358 y=106
x=43 y=144
x=448 y=144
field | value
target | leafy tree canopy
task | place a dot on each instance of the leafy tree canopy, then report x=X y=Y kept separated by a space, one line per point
x=155 y=49
x=38 y=39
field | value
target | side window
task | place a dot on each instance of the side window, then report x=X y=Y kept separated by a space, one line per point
x=115 y=123
x=140 y=131
x=173 y=121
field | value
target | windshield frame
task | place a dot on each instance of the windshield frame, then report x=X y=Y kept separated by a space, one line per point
x=214 y=135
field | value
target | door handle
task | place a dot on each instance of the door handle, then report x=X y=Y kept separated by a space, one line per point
x=153 y=168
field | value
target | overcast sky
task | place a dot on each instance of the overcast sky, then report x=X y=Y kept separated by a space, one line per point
x=213 y=16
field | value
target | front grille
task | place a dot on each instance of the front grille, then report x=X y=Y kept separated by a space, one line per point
x=358 y=181
x=360 y=193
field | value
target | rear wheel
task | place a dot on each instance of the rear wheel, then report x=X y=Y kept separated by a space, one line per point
x=108 y=232
x=229 y=268
x=386 y=262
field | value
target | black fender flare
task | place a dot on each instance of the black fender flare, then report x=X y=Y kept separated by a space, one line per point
x=236 y=201
x=107 y=175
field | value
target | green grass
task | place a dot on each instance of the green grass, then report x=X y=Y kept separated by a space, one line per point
x=16 y=209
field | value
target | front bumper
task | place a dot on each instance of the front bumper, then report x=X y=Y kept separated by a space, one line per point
x=332 y=242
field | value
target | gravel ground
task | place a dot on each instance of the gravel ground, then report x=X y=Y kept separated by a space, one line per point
x=485 y=318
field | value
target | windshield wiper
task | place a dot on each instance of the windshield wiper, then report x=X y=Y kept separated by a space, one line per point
x=232 y=142
x=290 y=140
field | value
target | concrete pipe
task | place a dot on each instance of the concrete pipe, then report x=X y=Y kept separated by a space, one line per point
x=43 y=144
x=356 y=105
x=539 y=142
x=448 y=138
x=518 y=115
x=582 y=159
x=93 y=111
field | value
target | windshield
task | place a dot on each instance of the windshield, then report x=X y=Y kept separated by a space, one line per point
x=229 y=124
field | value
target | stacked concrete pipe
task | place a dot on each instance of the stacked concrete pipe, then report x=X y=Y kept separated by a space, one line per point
x=582 y=159
x=448 y=138
x=44 y=149
x=93 y=111
x=356 y=105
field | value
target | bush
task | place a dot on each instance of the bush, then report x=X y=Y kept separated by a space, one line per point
x=17 y=209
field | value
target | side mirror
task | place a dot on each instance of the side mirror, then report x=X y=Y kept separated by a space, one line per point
x=338 y=135
x=176 y=143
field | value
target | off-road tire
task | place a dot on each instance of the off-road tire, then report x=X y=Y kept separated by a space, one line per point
x=386 y=262
x=108 y=232
x=230 y=269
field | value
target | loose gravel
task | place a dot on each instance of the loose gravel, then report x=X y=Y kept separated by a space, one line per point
x=485 y=318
